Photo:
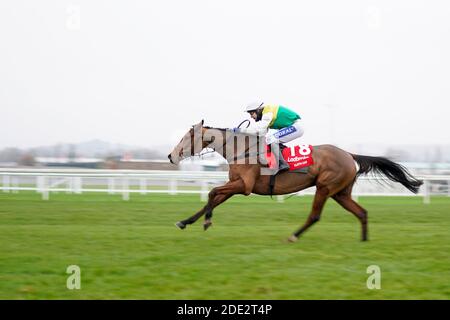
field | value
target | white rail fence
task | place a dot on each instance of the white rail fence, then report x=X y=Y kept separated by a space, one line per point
x=46 y=181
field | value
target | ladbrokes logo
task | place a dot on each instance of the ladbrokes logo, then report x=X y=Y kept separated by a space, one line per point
x=295 y=159
x=300 y=164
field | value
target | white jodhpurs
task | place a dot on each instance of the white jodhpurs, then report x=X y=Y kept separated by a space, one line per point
x=286 y=134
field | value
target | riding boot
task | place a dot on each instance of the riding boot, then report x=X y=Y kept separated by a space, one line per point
x=282 y=164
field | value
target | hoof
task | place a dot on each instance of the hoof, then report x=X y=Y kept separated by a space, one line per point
x=180 y=225
x=292 y=239
x=206 y=225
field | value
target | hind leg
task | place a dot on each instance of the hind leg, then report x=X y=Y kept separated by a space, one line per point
x=344 y=198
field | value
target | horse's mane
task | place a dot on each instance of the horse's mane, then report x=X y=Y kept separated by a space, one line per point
x=221 y=129
x=231 y=131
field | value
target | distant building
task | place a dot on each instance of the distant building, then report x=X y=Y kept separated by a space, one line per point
x=203 y=165
x=136 y=164
x=90 y=163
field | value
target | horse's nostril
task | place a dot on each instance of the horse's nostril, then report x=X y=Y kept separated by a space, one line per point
x=169 y=156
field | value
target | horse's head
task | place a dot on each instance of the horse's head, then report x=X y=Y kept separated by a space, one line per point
x=191 y=143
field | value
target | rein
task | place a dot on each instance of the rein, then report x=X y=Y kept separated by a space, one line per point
x=245 y=154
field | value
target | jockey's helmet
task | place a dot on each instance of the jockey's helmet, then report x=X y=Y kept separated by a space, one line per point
x=254 y=106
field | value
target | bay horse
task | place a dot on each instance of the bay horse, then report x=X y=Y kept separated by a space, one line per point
x=333 y=172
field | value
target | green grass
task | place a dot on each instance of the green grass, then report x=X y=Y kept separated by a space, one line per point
x=132 y=250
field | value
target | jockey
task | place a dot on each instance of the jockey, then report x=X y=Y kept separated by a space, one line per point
x=285 y=121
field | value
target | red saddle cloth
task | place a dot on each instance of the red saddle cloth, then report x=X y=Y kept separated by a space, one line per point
x=297 y=157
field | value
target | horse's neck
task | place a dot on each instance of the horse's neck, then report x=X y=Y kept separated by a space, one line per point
x=227 y=149
x=220 y=145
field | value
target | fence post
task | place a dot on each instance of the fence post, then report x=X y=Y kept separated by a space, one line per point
x=426 y=195
x=6 y=181
x=14 y=184
x=39 y=184
x=143 y=185
x=69 y=186
x=45 y=191
x=448 y=188
x=172 y=186
x=204 y=191
x=111 y=185
x=78 y=185
x=125 y=187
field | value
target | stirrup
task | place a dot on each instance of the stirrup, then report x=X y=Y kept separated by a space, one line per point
x=283 y=166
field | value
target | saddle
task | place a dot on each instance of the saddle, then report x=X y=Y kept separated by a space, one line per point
x=292 y=159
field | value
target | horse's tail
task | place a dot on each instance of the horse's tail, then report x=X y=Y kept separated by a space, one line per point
x=393 y=171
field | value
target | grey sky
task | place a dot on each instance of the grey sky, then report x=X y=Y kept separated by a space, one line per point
x=142 y=72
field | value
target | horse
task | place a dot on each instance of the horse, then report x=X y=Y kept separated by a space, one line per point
x=333 y=172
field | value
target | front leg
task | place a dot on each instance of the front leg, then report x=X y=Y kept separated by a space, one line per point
x=216 y=196
x=243 y=185
x=218 y=199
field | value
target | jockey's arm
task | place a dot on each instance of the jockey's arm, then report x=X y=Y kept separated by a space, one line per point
x=261 y=126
